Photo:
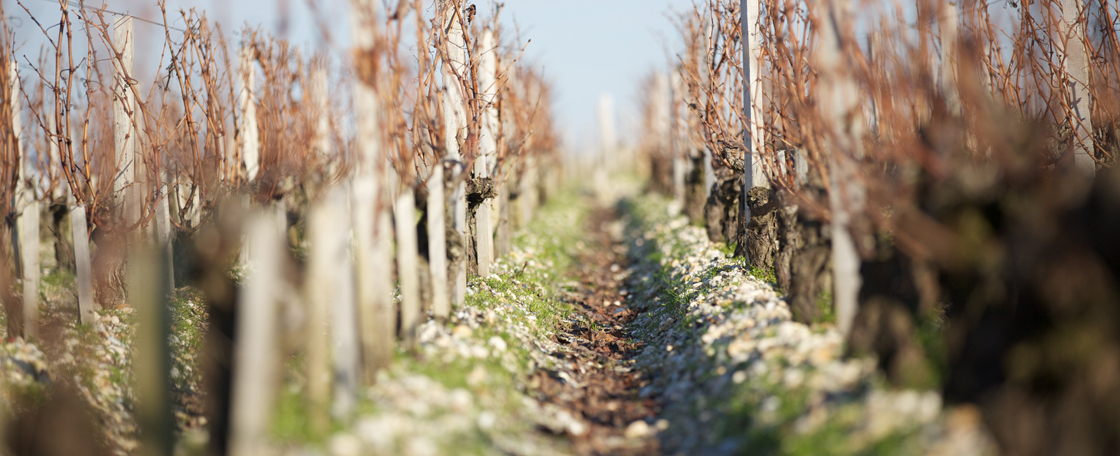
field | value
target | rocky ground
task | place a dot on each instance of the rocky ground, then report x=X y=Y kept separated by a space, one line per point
x=613 y=327
x=94 y=363
x=736 y=375
x=538 y=362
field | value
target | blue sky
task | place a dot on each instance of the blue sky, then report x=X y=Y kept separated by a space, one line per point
x=587 y=47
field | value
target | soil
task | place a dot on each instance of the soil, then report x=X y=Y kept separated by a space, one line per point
x=604 y=390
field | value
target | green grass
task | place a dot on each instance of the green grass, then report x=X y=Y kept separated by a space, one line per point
x=60 y=278
x=727 y=248
x=188 y=324
x=290 y=421
x=825 y=311
x=764 y=274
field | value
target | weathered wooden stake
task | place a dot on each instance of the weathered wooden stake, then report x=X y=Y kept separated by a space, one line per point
x=661 y=103
x=346 y=351
x=248 y=136
x=321 y=101
x=608 y=147
x=948 y=24
x=149 y=293
x=372 y=225
x=455 y=122
x=27 y=223
x=62 y=190
x=164 y=236
x=753 y=82
x=408 y=266
x=488 y=149
x=328 y=234
x=528 y=190
x=840 y=104
x=125 y=135
x=1072 y=46
x=751 y=94
x=437 y=244
x=79 y=233
x=503 y=231
x=255 y=358
x=504 y=237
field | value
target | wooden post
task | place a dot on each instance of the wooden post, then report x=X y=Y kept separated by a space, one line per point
x=504 y=230
x=255 y=358
x=63 y=190
x=504 y=235
x=608 y=145
x=661 y=103
x=839 y=100
x=372 y=225
x=27 y=223
x=408 y=266
x=229 y=147
x=948 y=24
x=125 y=138
x=528 y=193
x=149 y=293
x=322 y=104
x=488 y=149
x=1076 y=60
x=346 y=351
x=328 y=251
x=455 y=122
x=679 y=144
x=164 y=233
x=79 y=233
x=751 y=96
x=437 y=244
x=692 y=125
x=178 y=200
x=753 y=81
x=249 y=136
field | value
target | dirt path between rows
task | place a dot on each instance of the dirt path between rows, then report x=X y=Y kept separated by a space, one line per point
x=604 y=387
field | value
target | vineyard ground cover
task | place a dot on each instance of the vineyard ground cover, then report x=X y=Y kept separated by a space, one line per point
x=736 y=374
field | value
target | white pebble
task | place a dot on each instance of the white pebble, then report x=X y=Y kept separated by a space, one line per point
x=637 y=430
x=345 y=445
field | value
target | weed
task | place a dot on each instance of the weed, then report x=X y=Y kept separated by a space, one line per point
x=825 y=311
x=60 y=278
x=764 y=274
